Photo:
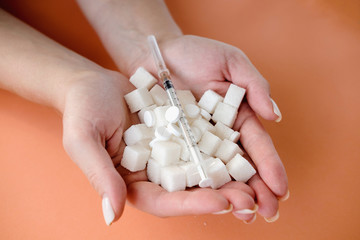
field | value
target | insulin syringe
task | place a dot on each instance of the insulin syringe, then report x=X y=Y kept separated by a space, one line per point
x=164 y=76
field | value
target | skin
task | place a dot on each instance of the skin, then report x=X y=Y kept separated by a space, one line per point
x=95 y=115
x=197 y=64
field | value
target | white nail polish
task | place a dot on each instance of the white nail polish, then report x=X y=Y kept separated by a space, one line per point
x=229 y=209
x=248 y=211
x=276 y=111
x=251 y=220
x=108 y=212
x=274 y=218
x=285 y=197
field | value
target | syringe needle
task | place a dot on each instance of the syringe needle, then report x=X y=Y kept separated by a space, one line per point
x=164 y=75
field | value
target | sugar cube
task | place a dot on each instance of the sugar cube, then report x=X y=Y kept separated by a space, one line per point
x=203 y=125
x=209 y=100
x=153 y=171
x=166 y=152
x=135 y=158
x=192 y=173
x=234 y=95
x=136 y=133
x=240 y=169
x=216 y=170
x=196 y=133
x=225 y=113
x=223 y=131
x=209 y=143
x=159 y=95
x=184 y=153
x=234 y=137
x=173 y=178
x=192 y=111
x=227 y=150
x=185 y=97
x=142 y=79
x=205 y=114
x=138 y=99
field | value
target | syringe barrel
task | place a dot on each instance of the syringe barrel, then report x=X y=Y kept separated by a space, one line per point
x=184 y=125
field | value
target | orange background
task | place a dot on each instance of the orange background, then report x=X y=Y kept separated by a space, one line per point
x=310 y=53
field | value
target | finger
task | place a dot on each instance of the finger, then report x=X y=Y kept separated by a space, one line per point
x=86 y=150
x=153 y=199
x=261 y=150
x=244 y=74
x=241 y=196
x=266 y=200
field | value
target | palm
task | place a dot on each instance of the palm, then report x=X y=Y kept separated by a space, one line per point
x=200 y=64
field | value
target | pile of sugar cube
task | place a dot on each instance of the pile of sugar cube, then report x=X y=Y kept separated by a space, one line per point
x=157 y=144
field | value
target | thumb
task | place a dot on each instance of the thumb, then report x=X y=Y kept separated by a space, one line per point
x=244 y=74
x=86 y=150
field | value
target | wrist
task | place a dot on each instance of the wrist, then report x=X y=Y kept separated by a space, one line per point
x=123 y=27
x=141 y=55
x=85 y=79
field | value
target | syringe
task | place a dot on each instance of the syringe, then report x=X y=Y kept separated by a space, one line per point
x=164 y=75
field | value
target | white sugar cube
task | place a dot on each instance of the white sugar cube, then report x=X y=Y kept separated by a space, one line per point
x=159 y=95
x=160 y=116
x=234 y=96
x=205 y=156
x=153 y=141
x=209 y=100
x=192 y=174
x=166 y=152
x=144 y=143
x=234 y=137
x=209 y=143
x=172 y=114
x=225 y=113
x=143 y=110
x=227 y=150
x=136 y=133
x=173 y=178
x=216 y=170
x=203 y=125
x=192 y=111
x=184 y=153
x=240 y=169
x=223 y=131
x=142 y=79
x=205 y=114
x=135 y=158
x=138 y=99
x=185 y=97
x=153 y=171
x=196 y=133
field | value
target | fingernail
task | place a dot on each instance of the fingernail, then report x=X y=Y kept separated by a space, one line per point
x=248 y=211
x=108 y=212
x=285 y=197
x=274 y=218
x=229 y=209
x=276 y=111
x=251 y=220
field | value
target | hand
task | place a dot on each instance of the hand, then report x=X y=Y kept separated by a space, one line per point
x=200 y=64
x=95 y=117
